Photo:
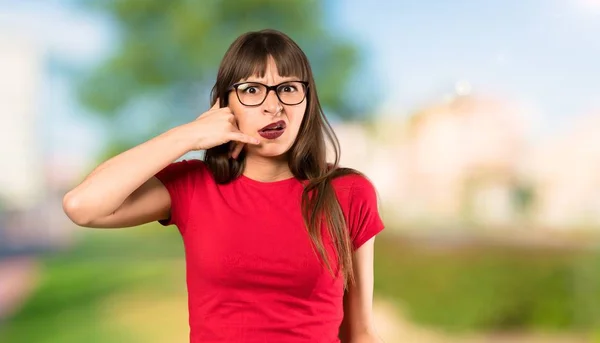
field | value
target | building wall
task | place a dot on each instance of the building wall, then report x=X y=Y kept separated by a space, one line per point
x=21 y=174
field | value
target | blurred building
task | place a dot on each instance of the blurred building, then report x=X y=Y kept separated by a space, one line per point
x=31 y=218
x=468 y=161
x=566 y=169
x=21 y=175
x=22 y=184
x=462 y=160
x=455 y=162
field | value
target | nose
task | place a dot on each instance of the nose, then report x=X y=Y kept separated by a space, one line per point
x=272 y=105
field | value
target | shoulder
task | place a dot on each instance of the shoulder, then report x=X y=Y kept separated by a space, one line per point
x=350 y=178
x=359 y=202
x=192 y=164
x=354 y=185
x=183 y=169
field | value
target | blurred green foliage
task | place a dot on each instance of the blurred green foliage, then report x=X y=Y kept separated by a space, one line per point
x=68 y=305
x=475 y=288
x=167 y=55
x=491 y=287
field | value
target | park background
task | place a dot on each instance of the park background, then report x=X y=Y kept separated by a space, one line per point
x=477 y=121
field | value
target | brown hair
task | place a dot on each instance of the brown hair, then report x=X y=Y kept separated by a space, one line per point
x=248 y=56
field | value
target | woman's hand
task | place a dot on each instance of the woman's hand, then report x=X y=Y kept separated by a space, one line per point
x=214 y=127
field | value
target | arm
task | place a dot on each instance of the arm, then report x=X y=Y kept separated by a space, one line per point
x=358 y=326
x=123 y=190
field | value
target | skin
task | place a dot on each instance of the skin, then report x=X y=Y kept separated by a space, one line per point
x=266 y=161
x=358 y=325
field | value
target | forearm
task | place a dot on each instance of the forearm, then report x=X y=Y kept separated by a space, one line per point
x=364 y=337
x=358 y=331
x=106 y=187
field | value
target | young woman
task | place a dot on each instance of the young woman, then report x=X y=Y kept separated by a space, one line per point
x=278 y=242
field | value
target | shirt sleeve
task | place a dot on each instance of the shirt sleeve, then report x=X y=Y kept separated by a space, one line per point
x=364 y=219
x=179 y=179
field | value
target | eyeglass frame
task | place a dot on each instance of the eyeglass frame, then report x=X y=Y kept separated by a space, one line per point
x=269 y=89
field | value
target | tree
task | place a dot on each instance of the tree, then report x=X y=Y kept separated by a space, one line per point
x=165 y=64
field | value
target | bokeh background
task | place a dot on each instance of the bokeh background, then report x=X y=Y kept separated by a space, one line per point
x=478 y=122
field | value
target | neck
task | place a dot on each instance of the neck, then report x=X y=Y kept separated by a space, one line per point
x=267 y=169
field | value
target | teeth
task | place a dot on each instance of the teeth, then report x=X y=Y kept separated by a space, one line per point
x=278 y=127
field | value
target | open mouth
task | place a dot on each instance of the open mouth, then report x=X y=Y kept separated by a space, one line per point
x=273 y=130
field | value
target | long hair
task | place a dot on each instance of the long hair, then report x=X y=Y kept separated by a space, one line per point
x=321 y=210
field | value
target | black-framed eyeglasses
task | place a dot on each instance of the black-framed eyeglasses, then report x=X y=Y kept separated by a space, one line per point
x=254 y=93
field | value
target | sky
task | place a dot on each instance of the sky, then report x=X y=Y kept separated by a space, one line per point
x=542 y=54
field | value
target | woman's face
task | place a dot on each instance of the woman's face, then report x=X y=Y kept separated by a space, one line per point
x=285 y=119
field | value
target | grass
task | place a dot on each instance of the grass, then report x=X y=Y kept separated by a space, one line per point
x=491 y=288
x=69 y=304
x=113 y=283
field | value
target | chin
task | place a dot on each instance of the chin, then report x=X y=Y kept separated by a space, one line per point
x=271 y=150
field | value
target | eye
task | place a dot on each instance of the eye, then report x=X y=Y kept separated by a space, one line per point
x=288 y=88
x=250 y=90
